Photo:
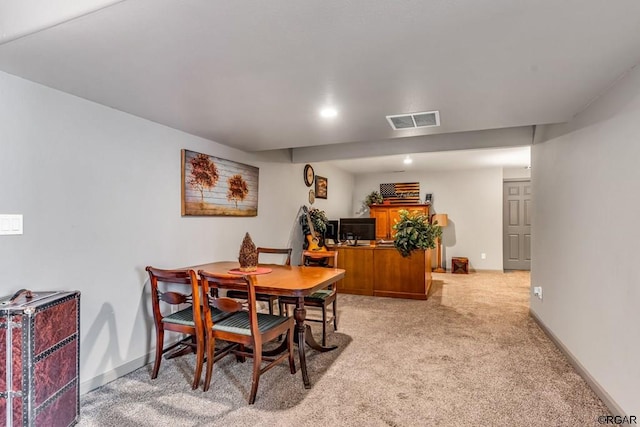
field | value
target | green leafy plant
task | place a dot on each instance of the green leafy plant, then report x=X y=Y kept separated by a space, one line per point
x=319 y=220
x=373 y=198
x=413 y=231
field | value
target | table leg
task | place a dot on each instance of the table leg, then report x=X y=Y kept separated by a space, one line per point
x=299 y=314
x=311 y=342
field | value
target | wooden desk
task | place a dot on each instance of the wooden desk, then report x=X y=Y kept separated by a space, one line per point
x=294 y=281
x=382 y=271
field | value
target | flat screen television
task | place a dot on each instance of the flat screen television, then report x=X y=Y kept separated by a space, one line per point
x=355 y=229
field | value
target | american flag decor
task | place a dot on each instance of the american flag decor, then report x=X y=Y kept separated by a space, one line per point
x=407 y=192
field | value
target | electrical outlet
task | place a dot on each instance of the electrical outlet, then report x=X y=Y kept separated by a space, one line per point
x=537 y=291
x=483 y=255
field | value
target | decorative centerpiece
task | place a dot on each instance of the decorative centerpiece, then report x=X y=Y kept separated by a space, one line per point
x=248 y=257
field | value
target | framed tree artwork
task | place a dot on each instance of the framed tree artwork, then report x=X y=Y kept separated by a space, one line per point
x=212 y=186
x=321 y=187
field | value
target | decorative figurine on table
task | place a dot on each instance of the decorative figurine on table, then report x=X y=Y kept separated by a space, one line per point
x=248 y=257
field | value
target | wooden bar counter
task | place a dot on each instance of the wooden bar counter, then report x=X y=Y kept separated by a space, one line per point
x=381 y=271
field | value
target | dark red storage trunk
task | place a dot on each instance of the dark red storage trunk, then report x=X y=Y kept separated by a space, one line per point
x=39 y=359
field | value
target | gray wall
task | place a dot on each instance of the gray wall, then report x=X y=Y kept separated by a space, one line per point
x=471 y=198
x=586 y=183
x=100 y=193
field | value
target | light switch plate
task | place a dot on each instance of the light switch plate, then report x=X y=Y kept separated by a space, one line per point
x=10 y=224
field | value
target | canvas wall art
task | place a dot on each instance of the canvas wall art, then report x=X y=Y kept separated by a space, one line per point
x=212 y=186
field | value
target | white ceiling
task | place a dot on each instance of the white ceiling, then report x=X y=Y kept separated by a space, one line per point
x=253 y=74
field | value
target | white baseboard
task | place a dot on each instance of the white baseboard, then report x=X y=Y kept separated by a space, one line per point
x=591 y=382
x=107 y=377
x=114 y=374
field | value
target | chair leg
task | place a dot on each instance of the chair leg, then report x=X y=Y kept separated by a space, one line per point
x=199 y=362
x=240 y=358
x=292 y=362
x=335 y=314
x=257 y=362
x=159 y=349
x=211 y=344
x=324 y=325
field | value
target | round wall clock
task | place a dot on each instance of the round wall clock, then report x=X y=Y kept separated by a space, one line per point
x=309 y=175
x=312 y=196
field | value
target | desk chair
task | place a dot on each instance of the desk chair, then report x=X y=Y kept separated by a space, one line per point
x=323 y=297
x=245 y=326
x=271 y=299
x=185 y=320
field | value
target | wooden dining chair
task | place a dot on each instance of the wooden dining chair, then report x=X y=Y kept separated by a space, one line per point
x=245 y=326
x=271 y=299
x=170 y=314
x=321 y=298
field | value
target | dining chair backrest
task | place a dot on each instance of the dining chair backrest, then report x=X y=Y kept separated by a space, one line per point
x=181 y=312
x=212 y=282
x=281 y=251
x=190 y=294
x=320 y=258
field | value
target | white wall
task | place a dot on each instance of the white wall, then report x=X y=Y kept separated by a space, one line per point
x=516 y=173
x=471 y=198
x=100 y=193
x=585 y=243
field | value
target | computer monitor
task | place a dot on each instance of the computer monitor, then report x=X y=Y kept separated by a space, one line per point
x=332 y=230
x=354 y=229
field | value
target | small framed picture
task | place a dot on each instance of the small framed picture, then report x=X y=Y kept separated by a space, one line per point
x=321 y=187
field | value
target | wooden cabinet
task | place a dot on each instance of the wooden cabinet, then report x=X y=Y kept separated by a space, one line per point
x=358 y=262
x=383 y=272
x=382 y=222
x=386 y=216
x=398 y=277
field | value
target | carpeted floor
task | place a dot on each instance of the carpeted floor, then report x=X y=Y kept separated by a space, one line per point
x=468 y=356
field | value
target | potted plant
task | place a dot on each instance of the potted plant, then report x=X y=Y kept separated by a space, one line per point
x=373 y=198
x=413 y=231
x=314 y=232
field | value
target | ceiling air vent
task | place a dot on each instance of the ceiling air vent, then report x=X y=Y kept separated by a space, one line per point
x=414 y=120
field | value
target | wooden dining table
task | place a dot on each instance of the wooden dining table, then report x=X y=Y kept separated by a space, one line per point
x=291 y=281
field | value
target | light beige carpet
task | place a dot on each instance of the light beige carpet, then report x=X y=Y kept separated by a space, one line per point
x=468 y=356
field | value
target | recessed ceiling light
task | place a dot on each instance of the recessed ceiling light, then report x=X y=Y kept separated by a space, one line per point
x=407 y=160
x=328 y=112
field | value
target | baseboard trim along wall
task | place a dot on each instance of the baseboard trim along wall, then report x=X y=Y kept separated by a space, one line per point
x=122 y=370
x=591 y=382
x=114 y=374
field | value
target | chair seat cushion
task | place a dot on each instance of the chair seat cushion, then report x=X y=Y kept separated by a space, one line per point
x=238 y=323
x=182 y=317
x=320 y=295
x=185 y=316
